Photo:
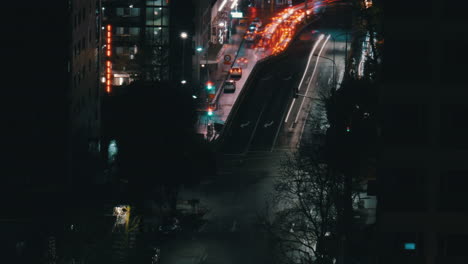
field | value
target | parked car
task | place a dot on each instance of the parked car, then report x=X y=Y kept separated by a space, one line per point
x=257 y=22
x=229 y=86
x=250 y=37
x=243 y=62
x=235 y=73
x=252 y=28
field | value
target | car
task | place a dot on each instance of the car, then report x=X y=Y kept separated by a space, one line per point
x=243 y=62
x=260 y=30
x=235 y=73
x=252 y=28
x=249 y=37
x=257 y=22
x=229 y=86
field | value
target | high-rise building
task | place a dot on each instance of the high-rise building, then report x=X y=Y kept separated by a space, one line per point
x=143 y=40
x=422 y=213
x=51 y=121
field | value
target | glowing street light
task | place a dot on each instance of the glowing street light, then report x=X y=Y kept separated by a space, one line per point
x=183 y=82
x=184 y=36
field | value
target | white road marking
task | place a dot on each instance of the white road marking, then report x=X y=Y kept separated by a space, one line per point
x=245 y=124
x=268 y=124
x=290 y=108
x=233 y=228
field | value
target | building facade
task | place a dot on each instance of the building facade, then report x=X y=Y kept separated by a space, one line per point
x=141 y=41
x=84 y=93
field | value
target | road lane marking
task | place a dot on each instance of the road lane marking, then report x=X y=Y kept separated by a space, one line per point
x=233 y=228
x=245 y=124
x=255 y=128
x=305 y=72
x=268 y=124
x=313 y=72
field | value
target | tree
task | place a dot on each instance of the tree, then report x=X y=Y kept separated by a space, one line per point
x=304 y=209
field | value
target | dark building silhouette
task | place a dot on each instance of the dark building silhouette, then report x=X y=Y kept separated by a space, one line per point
x=422 y=171
x=51 y=121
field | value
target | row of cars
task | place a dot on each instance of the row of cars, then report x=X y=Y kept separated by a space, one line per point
x=253 y=30
x=235 y=73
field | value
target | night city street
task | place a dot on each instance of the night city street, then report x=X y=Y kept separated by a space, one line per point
x=234 y=132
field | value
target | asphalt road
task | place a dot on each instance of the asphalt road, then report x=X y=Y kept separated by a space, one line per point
x=250 y=159
x=257 y=121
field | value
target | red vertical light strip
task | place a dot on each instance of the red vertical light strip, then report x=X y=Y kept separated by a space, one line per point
x=108 y=62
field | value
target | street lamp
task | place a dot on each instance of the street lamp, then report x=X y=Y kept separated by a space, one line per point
x=334 y=67
x=184 y=36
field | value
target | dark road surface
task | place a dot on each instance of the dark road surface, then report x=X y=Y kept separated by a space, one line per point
x=248 y=162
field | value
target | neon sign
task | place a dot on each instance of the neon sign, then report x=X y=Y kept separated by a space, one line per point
x=108 y=62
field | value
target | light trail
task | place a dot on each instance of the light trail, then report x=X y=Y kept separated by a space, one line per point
x=305 y=73
x=312 y=77
x=222 y=5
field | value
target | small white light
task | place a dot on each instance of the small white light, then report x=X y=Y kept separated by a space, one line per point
x=131 y=6
x=103 y=28
x=194 y=96
x=103 y=8
x=103 y=79
x=221 y=24
x=203 y=65
x=183 y=35
x=183 y=82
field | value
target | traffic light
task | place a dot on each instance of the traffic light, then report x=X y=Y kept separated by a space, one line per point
x=348 y=129
x=209 y=86
x=210 y=112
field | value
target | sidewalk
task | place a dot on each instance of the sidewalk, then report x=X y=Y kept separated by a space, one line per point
x=222 y=107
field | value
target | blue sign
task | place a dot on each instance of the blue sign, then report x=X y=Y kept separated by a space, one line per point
x=410 y=246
